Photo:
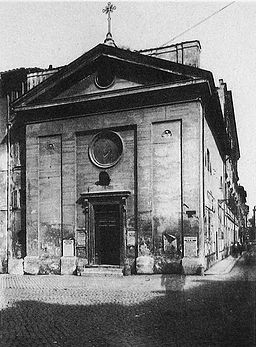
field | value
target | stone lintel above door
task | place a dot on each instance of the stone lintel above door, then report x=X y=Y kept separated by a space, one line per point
x=103 y=196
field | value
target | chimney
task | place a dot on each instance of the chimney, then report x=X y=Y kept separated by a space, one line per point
x=187 y=53
x=222 y=90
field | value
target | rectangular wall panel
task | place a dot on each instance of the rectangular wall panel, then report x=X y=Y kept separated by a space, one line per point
x=49 y=176
x=166 y=185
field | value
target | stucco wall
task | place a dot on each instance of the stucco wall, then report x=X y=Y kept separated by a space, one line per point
x=166 y=167
x=3 y=207
x=214 y=191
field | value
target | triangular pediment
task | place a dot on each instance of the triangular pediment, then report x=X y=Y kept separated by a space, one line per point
x=103 y=70
x=88 y=85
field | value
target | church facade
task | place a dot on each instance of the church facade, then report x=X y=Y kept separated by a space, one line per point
x=123 y=160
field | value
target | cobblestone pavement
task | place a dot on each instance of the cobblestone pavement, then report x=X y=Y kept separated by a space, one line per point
x=135 y=311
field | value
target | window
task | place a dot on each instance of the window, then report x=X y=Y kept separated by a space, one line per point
x=208 y=161
x=15 y=199
x=221 y=182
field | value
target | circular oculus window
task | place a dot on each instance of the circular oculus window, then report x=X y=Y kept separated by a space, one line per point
x=106 y=149
x=104 y=80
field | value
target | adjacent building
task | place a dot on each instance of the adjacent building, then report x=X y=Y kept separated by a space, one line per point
x=121 y=159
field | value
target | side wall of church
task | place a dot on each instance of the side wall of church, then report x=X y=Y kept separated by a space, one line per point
x=159 y=166
x=3 y=184
x=214 y=227
x=3 y=207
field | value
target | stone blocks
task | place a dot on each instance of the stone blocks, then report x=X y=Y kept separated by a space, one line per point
x=31 y=265
x=192 y=266
x=145 y=264
x=68 y=265
x=15 y=266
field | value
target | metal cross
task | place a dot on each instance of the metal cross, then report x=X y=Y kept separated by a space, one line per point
x=108 y=9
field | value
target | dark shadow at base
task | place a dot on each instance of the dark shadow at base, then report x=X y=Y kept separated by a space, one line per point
x=185 y=313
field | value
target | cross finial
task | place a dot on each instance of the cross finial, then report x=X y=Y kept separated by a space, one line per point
x=108 y=9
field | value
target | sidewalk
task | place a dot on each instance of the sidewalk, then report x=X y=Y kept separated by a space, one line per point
x=139 y=311
x=222 y=267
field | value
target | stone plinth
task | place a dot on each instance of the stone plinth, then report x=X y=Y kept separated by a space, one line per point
x=15 y=266
x=68 y=265
x=144 y=264
x=31 y=265
x=192 y=266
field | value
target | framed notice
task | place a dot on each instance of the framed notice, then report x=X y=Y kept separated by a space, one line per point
x=81 y=238
x=190 y=246
x=130 y=237
x=68 y=248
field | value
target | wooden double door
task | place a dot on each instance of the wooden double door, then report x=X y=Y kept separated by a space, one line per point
x=107 y=234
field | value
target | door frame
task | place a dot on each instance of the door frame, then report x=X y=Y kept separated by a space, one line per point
x=89 y=201
x=102 y=251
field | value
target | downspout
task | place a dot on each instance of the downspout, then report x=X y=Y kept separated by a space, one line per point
x=234 y=222
x=135 y=208
x=182 y=192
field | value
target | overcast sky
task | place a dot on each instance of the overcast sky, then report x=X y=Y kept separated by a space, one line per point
x=55 y=32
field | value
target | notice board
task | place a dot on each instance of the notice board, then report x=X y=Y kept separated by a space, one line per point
x=190 y=246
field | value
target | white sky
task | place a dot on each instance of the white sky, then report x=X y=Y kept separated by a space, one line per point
x=55 y=32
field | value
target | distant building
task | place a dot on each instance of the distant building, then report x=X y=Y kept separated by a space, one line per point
x=120 y=159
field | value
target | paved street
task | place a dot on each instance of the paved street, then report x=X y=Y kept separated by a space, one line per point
x=215 y=310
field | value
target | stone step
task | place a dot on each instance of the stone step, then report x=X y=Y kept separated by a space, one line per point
x=102 y=271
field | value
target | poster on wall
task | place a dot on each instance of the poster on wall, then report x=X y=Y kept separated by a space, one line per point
x=130 y=237
x=68 y=248
x=190 y=246
x=81 y=238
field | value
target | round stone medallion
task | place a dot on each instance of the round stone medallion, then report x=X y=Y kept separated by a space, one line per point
x=106 y=149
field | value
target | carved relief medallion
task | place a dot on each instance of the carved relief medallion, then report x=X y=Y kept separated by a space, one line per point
x=106 y=149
